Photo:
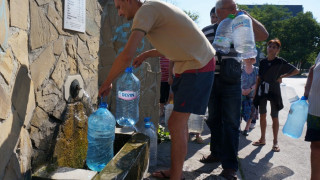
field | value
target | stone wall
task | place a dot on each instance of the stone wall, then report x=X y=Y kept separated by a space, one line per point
x=37 y=55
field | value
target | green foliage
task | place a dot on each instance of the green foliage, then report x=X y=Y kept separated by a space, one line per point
x=163 y=136
x=194 y=16
x=299 y=35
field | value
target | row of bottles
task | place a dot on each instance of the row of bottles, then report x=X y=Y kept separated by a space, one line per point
x=101 y=123
x=239 y=31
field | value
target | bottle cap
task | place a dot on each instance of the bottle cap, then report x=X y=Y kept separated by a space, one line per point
x=147 y=119
x=103 y=105
x=128 y=70
x=147 y=125
x=304 y=98
x=240 y=13
x=231 y=16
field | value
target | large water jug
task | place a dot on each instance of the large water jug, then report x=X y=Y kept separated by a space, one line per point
x=128 y=94
x=153 y=144
x=243 y=37
x=223 y=37
x=101 y=131
x=297 y=117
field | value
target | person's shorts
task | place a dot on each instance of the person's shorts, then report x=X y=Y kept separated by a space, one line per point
x=192 y=89
x=313 y=128
x=263 y=107
x=164 y=92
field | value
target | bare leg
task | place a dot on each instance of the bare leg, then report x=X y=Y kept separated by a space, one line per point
x=263 y=126
x=275 y=128
x=315 y=160
x=248 y=125
x=178 y=127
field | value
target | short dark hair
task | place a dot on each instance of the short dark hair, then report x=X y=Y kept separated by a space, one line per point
x=213 y=11
x=275 y=41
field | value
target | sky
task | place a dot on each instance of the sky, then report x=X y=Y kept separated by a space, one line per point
x=203 y=7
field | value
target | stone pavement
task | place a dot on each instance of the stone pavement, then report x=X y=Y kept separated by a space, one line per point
x=292 y=162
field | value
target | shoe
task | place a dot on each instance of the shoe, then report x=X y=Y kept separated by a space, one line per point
x=199 y=140
x=259 y=143
x=229 y=174
x=162 y=174
x=275 y=148
x=252 y=125
x=245 y=133
x=209 y=159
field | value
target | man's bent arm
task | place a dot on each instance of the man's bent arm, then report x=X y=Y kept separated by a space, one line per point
x=122 y=61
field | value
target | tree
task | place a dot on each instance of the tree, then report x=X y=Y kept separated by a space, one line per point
x=299 y=35
x=194 y=16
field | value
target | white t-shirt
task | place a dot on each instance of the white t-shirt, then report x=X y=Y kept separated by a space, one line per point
x=314 y=95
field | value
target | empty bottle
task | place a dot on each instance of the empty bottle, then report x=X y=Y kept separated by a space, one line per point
x=128 y=94
x=243 y=37
x=167 y=113
x=223 y=38
x=101 y=132
x=195 y=123
x=153 y=144
x=297 y=117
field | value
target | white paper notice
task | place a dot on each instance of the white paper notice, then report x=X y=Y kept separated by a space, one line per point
x=75 y=15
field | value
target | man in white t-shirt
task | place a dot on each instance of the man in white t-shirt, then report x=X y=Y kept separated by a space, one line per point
x=175 y=36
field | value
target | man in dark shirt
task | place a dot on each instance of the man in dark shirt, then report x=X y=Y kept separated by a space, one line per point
x=225 y=103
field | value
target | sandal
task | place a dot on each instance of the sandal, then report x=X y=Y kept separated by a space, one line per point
x=275 y=148
x=258 y=143
x=209 y=159
x=199 y=140
x=162 y=174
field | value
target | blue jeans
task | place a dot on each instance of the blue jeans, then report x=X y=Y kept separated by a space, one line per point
x=224 y=122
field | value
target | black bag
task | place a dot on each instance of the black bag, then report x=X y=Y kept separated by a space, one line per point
x=230 y=71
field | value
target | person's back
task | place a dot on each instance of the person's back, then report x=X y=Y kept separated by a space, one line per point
x=173 y=33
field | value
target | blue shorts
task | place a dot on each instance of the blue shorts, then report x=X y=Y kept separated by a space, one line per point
x=192 y=89
x=313 y=128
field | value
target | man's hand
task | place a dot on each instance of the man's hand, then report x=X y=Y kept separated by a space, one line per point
x=138 y=60
x=105 y=90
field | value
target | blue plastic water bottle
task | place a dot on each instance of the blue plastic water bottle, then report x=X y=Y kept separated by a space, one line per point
x=297 y=117
x=128 y=94
x=101 y=132
x=153 y=143
x=147 y=120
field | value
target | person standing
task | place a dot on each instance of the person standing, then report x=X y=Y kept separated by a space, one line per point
x=225 y=103
x=249 y=77
x=312 y=92
x=164 y=86
x=175 y=36
x=271 y=71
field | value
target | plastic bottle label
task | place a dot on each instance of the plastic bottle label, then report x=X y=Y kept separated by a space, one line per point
x=244 y=23
x=127 y=95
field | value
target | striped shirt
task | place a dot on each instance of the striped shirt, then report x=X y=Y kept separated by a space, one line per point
x=164 y=64
x=210 y=32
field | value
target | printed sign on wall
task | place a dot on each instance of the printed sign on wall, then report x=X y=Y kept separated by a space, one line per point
x=75 y=15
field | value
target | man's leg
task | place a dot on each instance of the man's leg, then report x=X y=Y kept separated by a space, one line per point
x=315 y=160
x=178 y=127
x=231 y=105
